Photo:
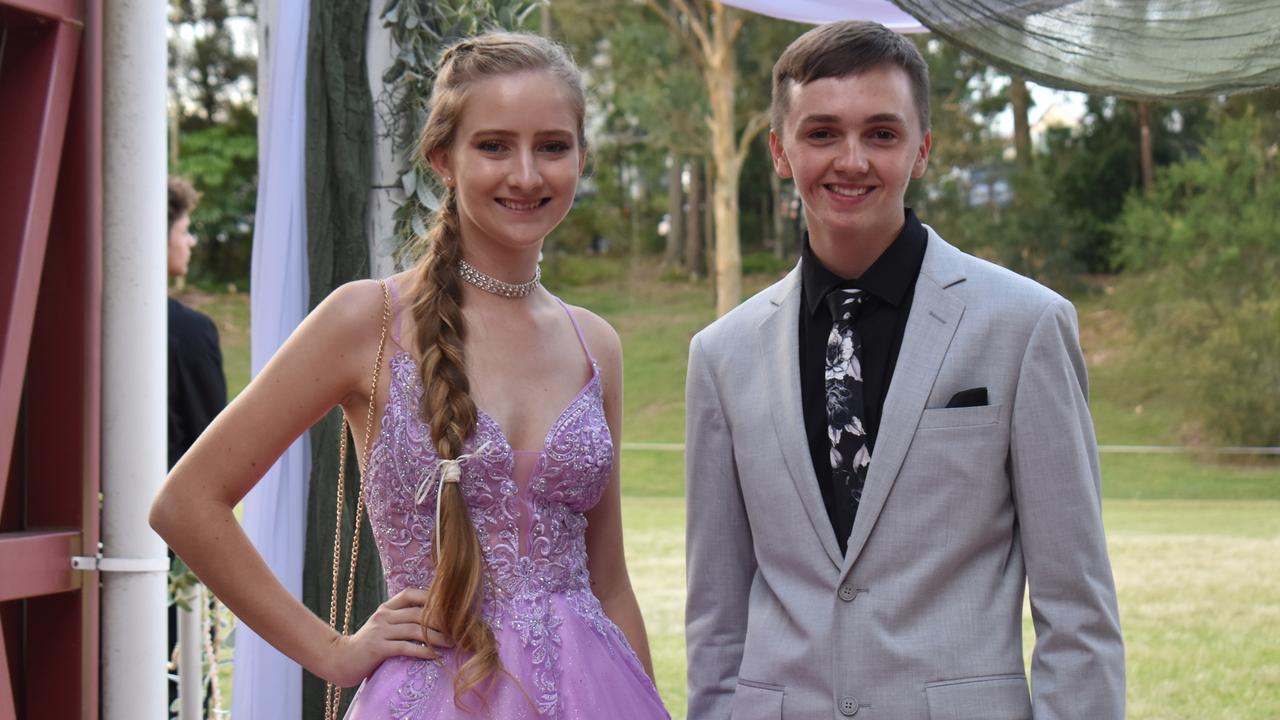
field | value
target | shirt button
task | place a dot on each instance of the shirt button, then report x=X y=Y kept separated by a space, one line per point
x=848 y=592
x=848 y=706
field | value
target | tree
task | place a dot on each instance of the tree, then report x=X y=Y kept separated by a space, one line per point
x=1204 y=246
x=709 y=35
x=212 y=91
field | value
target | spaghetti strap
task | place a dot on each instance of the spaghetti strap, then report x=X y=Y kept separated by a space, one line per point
x=395 y=312
x=578 y=329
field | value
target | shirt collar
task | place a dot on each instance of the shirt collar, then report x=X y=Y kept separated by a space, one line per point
x=889 y=277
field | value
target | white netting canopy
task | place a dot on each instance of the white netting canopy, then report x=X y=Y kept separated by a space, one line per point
x=1137 y=48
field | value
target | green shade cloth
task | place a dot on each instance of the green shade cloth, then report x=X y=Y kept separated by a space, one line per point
x=1160 y=49
x=339 y=147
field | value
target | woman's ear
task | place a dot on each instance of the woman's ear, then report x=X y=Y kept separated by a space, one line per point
x=441 y=163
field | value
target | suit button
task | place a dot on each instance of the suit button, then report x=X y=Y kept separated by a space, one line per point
x=848 y=592
x=848 y=706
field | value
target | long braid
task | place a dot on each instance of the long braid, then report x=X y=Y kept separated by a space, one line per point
x=457 y=590
x=453 y=601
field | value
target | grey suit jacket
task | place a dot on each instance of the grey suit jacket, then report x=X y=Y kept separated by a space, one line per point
x=963 y=509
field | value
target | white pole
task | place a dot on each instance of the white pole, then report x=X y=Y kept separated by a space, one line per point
x=385 y=191
x=134 y=364
x=191 y=655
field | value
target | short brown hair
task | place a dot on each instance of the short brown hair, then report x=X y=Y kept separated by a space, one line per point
x=846 y=48
x=183 y=198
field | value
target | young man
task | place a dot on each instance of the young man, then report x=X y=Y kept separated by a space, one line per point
x=886 y=447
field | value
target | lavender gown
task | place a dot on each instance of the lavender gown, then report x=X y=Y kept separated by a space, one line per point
x=568 y=657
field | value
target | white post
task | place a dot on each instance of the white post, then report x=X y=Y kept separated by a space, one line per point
x=134 y=366
x=191 y=655
x=385 y=192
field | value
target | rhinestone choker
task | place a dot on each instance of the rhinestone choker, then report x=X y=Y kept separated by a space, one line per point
x=495 y=286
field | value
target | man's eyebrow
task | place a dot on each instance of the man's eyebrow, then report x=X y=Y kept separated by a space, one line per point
x=886 y=117
x=813 y=118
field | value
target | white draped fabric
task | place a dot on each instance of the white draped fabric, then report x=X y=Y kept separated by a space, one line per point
x=268 y=685
x=1160 y=49
x=824 y=11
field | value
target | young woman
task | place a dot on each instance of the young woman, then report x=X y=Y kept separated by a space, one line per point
x=492 y=478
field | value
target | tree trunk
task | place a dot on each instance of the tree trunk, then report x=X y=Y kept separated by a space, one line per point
x=675 y=212
x=1144 y=133
x=1021 y=101
x=693 y=241
x=721 y=75
x=708 y=225
x=778 y=217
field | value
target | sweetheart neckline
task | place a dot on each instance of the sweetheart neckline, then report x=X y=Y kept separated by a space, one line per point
x=482 y=414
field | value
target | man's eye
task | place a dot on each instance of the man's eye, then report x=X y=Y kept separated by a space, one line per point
x=884 y=135
x=821 y=135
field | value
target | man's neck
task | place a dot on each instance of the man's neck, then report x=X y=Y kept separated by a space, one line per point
x=849 y=257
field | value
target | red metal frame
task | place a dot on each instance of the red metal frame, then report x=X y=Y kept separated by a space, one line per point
x=50 y=377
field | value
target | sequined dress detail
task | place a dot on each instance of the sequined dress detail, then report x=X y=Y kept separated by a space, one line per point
x=568 y=659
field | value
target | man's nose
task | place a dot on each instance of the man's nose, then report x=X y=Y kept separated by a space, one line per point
x=852 y=157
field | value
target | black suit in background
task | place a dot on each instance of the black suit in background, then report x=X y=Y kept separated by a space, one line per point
x=197 y=385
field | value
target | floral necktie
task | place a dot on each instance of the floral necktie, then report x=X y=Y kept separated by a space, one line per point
x=850 y=455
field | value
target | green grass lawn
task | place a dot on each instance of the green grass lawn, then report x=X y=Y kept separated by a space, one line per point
x=1193 y=542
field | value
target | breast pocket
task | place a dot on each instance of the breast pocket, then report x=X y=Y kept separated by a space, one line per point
x=991 y=697
x=756 y=701
x=937 y=418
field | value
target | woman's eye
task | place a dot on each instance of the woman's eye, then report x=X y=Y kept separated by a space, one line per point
x=491 y=146
x=556 y=147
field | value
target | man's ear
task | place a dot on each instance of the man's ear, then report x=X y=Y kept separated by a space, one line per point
x=781 y=164
x=922 y=155
x=441 y=163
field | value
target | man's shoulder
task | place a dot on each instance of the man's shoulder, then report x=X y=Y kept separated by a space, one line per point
x=187 y=324
x=980 y=282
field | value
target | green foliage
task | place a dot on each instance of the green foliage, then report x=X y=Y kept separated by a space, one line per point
x=222 y=162
x=212 y=86
x=764 y=263
x=1206 y=244
x=1093 y=169
x=421 y=29
x=567 y=270
x=208 y=76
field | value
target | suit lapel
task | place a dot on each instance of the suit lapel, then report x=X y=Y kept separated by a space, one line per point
x=935 y=314
x=779 y=337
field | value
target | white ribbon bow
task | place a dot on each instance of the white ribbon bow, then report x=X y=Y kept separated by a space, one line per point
x=447 y=470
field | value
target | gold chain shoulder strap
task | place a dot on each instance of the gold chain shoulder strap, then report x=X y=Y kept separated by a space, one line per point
x=333 y=693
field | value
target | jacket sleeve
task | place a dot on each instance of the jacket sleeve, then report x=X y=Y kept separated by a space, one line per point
x=1077 y=669
x=721 y=559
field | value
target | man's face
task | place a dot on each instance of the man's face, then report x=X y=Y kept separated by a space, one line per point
x=180 y=243
x=852 y=144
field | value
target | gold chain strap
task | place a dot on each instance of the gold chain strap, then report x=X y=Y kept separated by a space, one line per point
x=333 y=693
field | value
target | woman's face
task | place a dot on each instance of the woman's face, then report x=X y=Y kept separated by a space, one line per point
x=180 y=243
x=514 y=162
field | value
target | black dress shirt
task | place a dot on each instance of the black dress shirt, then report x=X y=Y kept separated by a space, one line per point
x=197 y=385
x=889 y=284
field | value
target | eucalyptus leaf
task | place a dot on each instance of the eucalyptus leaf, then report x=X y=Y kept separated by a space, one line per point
x=427 y=198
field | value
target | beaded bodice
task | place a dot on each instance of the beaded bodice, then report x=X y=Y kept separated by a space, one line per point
x=532 y=533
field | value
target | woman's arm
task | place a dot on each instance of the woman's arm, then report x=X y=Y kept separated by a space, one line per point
x=606 y=561
x=325 y=362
